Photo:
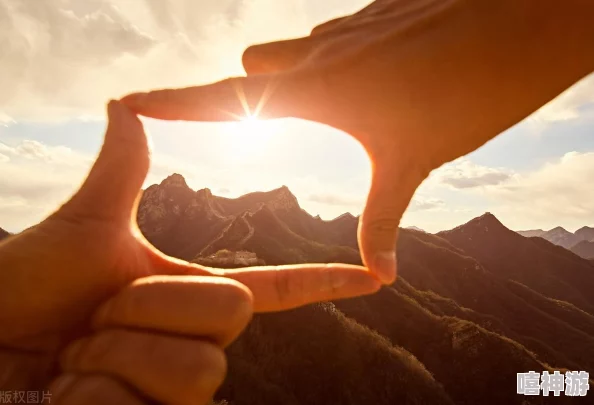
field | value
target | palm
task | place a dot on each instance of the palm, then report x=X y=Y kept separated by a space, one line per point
x=85 y=262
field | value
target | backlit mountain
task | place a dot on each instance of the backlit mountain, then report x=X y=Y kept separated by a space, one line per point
x=562 y=237
x=472 y=306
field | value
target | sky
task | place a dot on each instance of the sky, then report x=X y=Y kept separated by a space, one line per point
x=62 y=60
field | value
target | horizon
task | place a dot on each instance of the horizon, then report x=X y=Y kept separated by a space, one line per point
x=532 y=176
x=357 y=214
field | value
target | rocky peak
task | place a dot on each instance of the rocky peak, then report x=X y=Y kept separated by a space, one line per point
x=486 y=223
x=282 y=199
x=175 y=180
x=346 y=217
x=489 y=220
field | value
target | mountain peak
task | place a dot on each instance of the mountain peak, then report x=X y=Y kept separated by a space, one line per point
x=346 y=215
x=175 y=180
x=559 y=229
x=486 y=223
x=281 y=198
x=486 y=220
x=585 y=233
x=415 y=228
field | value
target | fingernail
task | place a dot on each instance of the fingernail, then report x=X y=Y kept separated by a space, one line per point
x=385 y=266
x=135 y=100
x=62 y=385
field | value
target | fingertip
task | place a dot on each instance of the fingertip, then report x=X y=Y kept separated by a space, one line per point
x=384 y=266
x=135 y=101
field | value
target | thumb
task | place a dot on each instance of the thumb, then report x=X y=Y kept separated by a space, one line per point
x=392 y=188
x=113 y=184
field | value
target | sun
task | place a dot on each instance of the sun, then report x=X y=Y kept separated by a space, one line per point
x=249 y=138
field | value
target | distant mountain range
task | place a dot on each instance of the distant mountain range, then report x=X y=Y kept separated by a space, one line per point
x=3 y=234
x=193 y=225
x=472 y=306
x=581 y=242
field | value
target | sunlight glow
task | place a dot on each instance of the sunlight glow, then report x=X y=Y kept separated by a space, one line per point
x=249 y=138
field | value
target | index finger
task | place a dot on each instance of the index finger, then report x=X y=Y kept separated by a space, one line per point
x=227 y=100
x=281 y=288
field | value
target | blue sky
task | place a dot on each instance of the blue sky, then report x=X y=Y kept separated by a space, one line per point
x=68 y=59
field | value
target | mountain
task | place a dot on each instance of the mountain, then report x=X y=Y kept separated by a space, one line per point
x=585 y=233
x=195 y=224
x=3 y=234
x=532 y=233
x=534 y=262
x=472 y=306
x=415 y=228
x=560 y=236
x=584 y=249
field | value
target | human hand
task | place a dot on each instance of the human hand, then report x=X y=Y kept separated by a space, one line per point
x=54 y=275
x=159 y=339
x=417 y=82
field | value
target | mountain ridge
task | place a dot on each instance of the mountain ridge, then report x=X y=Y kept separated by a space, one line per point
x=562 y=237
x=478 y=297
x=471 y=308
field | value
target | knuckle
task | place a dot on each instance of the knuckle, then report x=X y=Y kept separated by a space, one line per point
x=287 y=287
x=381 y=225
x=238 y=297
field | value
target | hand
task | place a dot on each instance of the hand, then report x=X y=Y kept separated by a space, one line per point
x=55 y=274
x=417 y=82
x=160 y=339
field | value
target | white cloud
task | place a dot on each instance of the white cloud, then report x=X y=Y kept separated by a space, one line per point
x=425 y=204
x=337 y=199
x=559 y=191
x=462 y=174
x=34 y=179
x=65 y=58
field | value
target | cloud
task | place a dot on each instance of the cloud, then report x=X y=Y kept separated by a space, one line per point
x=463 y=174
x=336 y=199
x=425 y=204
x=559 y=189
x=65 y=58
x=557 y=193
x=35 y=179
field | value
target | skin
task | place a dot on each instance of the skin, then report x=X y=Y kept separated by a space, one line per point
x=417 y=82
x=87 y=302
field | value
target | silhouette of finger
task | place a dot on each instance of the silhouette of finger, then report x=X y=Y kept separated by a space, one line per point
x=269 y=96
x=392 y=187
x=113 y=184
x=278 y=56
